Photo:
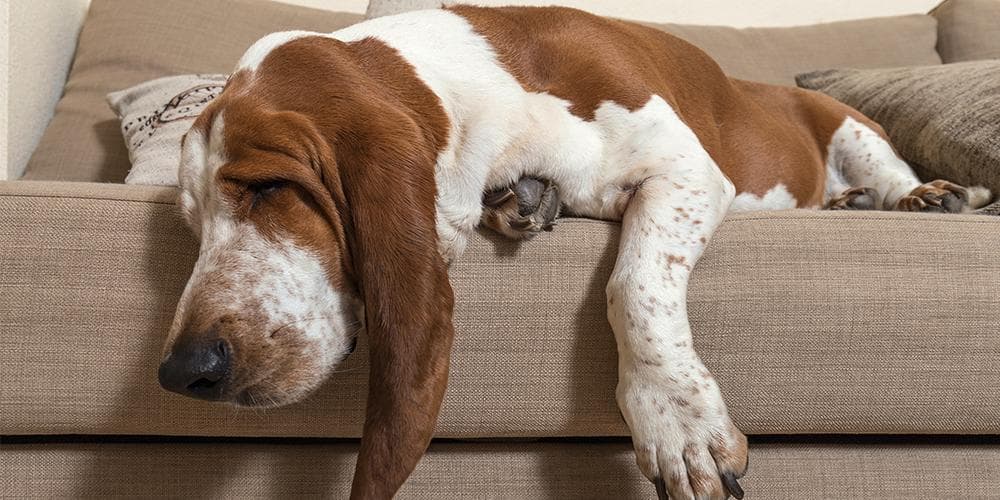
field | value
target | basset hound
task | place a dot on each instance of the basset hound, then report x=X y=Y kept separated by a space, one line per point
x=337 y=175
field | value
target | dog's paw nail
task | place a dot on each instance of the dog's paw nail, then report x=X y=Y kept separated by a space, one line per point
x=732 y=485
x=661 y=489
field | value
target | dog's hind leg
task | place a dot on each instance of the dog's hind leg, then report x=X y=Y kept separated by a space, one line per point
x=862 y=164
x=864 y=172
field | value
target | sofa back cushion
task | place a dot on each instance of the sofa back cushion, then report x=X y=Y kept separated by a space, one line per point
x=776 y=55
x=126 y=42
x=968 y=30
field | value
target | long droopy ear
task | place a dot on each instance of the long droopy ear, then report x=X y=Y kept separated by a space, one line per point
x=387 y=176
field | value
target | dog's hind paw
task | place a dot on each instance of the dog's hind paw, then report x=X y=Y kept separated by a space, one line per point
x=937 y=196
x=859 y=198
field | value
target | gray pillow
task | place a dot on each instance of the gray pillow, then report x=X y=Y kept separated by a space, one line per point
x=944 y=120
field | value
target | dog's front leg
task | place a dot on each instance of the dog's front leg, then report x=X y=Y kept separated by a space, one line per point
x=684 y=440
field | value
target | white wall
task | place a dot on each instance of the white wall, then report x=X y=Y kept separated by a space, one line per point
x=42 y=38
x=4 y=64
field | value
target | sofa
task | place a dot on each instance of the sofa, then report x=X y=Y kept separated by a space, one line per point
x=858 y=350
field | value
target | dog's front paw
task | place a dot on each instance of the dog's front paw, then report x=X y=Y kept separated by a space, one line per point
x=523 y=209
x=684 y=440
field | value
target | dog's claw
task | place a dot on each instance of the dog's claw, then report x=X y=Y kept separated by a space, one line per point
x=732 y=485
x=661 y=489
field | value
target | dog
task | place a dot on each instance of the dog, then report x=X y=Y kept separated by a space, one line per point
x=337 y=175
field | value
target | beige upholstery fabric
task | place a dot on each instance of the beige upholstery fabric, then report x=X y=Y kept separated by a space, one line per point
x=943 y=119
x=154 y=116
x=776 y=55
x=968 y=30
x=126 y=42
x=524 y=471
x=813 y=322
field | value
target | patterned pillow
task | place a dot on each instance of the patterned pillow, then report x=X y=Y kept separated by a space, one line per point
x=944 y=120
x=154 y=116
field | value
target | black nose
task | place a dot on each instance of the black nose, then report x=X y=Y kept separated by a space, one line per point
x=197 y=367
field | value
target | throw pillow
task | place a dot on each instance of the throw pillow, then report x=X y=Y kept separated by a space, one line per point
x=379 y=8
x=154 y=116
x=944 y=120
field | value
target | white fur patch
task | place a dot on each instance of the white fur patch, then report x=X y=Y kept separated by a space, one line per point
x=776 y=198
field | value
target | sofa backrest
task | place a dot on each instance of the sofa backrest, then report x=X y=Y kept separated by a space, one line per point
x=126 y=42
x=968 y=30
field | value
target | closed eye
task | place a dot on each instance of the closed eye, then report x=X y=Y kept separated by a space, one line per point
x=265 y=189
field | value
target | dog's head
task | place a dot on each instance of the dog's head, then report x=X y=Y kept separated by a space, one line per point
x=310 y=184
x=273 y=304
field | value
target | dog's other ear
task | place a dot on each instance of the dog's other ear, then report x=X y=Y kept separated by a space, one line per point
x=387 y=177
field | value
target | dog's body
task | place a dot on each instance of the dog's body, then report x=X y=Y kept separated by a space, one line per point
x=363 y=156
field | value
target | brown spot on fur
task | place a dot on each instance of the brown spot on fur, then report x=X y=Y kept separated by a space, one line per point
x=678 y=260
x=649 y=362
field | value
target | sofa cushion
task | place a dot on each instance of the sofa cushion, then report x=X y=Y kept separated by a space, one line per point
x=812 y=322
x=945 y=119
x=968 y=30
x=125 y=42
x=776 y=55
x=522 y=471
